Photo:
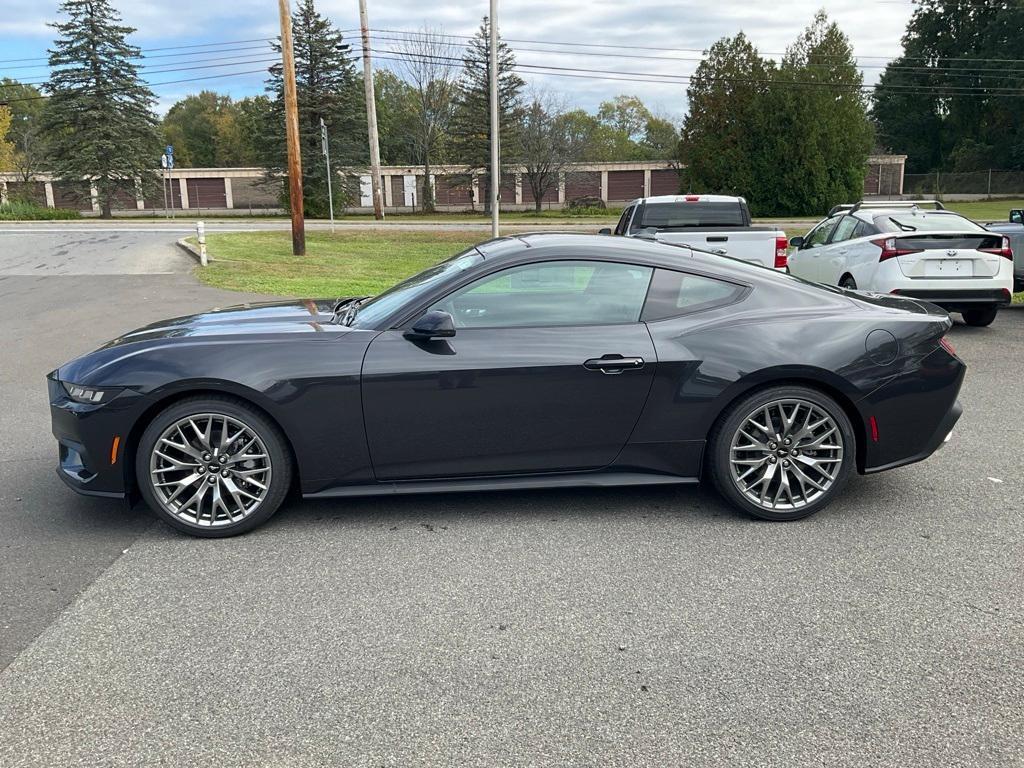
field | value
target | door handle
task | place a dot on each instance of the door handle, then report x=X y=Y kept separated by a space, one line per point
x=614 y=364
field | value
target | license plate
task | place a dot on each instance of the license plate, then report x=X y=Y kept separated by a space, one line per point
x=949 y=268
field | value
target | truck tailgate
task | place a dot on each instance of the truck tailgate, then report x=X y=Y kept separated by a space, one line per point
x=750 y=244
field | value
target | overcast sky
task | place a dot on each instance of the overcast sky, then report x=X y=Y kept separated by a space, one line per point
x=874 y=26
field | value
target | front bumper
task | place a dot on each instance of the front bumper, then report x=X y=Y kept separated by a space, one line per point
x=92 y=441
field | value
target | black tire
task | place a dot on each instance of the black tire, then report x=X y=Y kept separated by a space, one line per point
x=728 y=426
x=848 y=283
x=981 y=317
x=277 y=451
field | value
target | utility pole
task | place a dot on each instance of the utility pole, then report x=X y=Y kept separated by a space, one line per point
x=371 y=116
x=495 y=128
x=326 y=148
x=291 y=120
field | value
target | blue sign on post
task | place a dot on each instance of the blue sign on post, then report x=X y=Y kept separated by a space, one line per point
x=169 y=150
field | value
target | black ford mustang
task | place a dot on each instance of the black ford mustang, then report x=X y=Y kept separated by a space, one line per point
x=526 y=362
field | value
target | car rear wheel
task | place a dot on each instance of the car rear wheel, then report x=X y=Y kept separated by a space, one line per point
x=848 y=283
x=980 y=317
x=782 y=453
x=213 y=466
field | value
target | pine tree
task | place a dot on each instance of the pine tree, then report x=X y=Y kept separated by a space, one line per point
x=470 y=132
x=99 y=117
x=729 y=100
x=327 y=88
x=6 y=146
x=821 y=160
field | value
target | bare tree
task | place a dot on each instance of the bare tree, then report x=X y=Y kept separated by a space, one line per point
x=430 y=64
x=547 y=145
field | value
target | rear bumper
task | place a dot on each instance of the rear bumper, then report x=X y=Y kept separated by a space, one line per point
x=942 y=434
x=953 y=299
x=913 y=413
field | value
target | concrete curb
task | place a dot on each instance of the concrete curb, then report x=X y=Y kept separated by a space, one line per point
x=192 y=251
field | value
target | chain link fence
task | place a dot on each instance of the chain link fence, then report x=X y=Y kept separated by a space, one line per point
x=991 y=183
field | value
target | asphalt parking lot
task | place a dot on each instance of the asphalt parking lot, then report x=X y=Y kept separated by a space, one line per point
x=628 y=627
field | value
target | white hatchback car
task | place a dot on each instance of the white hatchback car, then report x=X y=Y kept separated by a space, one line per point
x=935 y=255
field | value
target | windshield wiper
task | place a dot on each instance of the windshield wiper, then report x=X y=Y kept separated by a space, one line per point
x=901 y=225
x=349 y=306
x=352 y=309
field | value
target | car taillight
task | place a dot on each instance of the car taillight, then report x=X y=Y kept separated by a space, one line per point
x=692 y=198
x=947 y=346
x=1003 y=250
x=781 y=251
x=890 y=248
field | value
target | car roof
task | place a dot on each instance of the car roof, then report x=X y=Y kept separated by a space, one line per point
x=688 y=198
x=870 y=214
x=637 y=250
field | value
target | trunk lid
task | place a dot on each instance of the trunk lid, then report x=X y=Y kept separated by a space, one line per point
x=946 y=255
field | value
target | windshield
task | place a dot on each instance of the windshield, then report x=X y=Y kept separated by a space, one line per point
x=925 y=222
x=379 y=307
x=695 y=214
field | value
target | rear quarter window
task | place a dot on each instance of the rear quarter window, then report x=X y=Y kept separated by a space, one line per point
x=680 y=293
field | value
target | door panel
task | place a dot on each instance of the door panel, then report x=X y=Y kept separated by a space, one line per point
x=503 y=400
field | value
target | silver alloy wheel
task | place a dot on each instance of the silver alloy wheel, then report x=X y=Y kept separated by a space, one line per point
x=210 y=469
x=786 y=454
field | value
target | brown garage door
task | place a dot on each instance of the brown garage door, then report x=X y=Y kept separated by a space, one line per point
x=397 y=190
x=34 y=191
x=508 y=187
x=452 y=190
x=72 y=195
x=582 y=184
x=665 y=182
x=625 y=185
x=207 y=193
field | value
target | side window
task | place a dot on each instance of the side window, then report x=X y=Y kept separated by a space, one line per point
x=864 y=229
x=620 y=228
x=820 y=234
x=845 y=229
x=678 y=293
x=551 y=293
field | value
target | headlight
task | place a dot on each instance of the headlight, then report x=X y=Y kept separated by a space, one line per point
x=89 y=394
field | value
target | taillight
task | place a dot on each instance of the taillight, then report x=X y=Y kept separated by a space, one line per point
x=692 y=198
x=889 y=246
x=947 y=346
x=1003 y=250
x=781 y=251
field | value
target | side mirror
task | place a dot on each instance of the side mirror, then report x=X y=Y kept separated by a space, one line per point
x=604 y=231
x=796 y=242
x=435 y=324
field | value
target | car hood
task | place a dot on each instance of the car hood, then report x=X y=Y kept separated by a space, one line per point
x=296 y=316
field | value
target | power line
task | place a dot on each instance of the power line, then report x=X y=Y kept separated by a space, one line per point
x=162 y=56
x=235 y=63
x=953 y=71
x=683 y=79
x=153 y=85
x=697 y=50
x=165 y=48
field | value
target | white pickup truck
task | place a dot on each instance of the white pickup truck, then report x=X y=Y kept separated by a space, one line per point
x=716 y=223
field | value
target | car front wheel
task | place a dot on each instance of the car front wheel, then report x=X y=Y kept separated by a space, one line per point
x=213 y=466
x=980 y=317
x=782 y=453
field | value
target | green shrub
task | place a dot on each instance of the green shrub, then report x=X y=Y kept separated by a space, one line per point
x=26 y=210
